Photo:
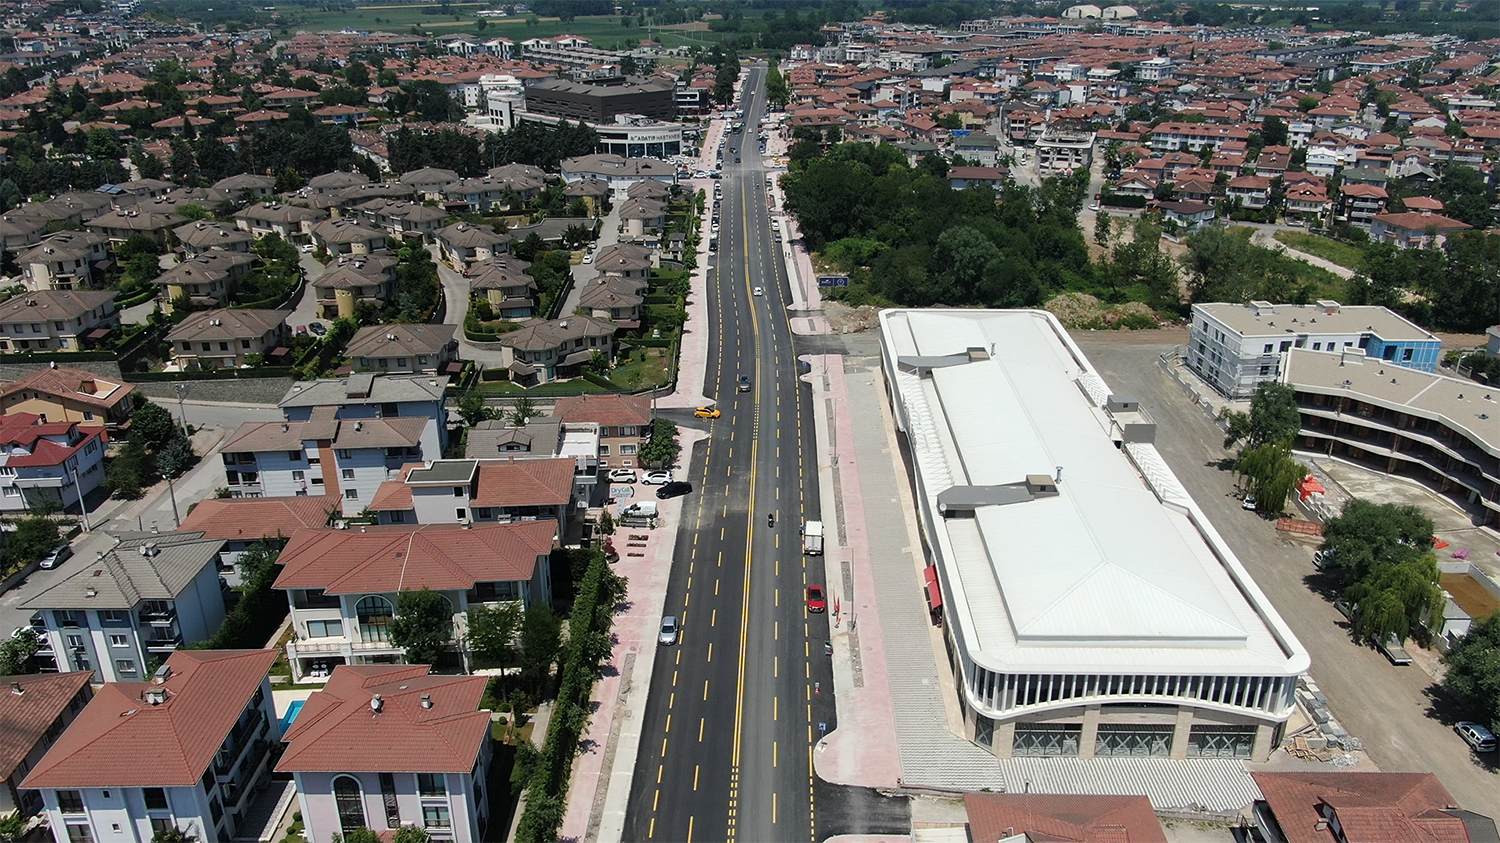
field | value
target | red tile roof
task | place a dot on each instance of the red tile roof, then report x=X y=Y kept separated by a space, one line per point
x=248 y=519
x=1075 y=819
x=436 y=556
x=26 y=430
x=609 y=410
x=64 y=382
x=1371 y=807
x=25 y=717
x=120 y=740
x=338 y=729
x=542 y=482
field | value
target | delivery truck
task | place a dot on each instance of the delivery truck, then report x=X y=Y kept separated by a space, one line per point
x=812 y=538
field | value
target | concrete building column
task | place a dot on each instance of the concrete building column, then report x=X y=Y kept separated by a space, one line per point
x=1005 y=739
x=1090 y=734
x=1261 y=749
x=1182 y=731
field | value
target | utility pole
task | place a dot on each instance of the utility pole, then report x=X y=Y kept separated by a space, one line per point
x=181 y=411
x=176 y=519
x=83 y=509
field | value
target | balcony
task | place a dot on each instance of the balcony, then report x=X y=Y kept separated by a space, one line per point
x=162 y=642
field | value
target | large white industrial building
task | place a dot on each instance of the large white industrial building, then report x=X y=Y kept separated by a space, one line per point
x=1089 y=607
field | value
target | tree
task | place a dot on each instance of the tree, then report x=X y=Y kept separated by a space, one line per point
x=176 y=457
x=289 y=180
x=471 y=409
x=173 y=835
x=357 y=74
x=153 y=425
x=1273 y=417
x=423 y=626
x=523 y=411
x=1368 y=536
x=1474 y=670
x=541 y=643
x=493 y=631
x=777 y=92
x=32 y=539
x=1307 y=103
x=1273 y=131
x=131 y=469
x=1103 y=222
x=1401 y=600
x=18 y=653
x=357 y=835
x=411 y=833
x=661 y=449
x=1272 y=474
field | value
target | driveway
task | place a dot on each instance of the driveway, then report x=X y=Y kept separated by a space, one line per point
x=456 y=303
x=1389 y=708
x=306 y=309
x=609 y=234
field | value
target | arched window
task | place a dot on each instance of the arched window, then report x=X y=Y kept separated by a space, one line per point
x=375 y=613
x=350 y=802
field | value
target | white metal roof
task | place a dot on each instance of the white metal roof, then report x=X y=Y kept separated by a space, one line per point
x=1119 y=570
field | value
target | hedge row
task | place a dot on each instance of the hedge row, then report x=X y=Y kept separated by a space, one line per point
x=589 y=644
x=212 y=374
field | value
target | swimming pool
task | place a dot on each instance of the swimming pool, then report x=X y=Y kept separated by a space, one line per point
x=291 y=714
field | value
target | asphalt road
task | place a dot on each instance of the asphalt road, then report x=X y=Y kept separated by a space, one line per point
x=1404 y=724
x=735 y=707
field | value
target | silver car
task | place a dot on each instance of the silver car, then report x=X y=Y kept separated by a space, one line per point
x=669 y=629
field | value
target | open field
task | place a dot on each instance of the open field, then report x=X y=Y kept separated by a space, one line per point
x=605 y=31
x=1344 y=254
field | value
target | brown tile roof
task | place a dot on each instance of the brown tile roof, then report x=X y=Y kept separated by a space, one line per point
x=248 y=519
x=120 y=740
x=436 y=556
x=25 y=717
x=609 y=410
x=337 y=729
x=539 y=482
x=73 y=384
x=1076 y=819
x=1412 y=221
x=1371 y=807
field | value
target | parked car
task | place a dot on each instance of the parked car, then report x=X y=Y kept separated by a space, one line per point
x=816 y=601
x=656 y=478
x=306 y=247
x=57 y=557
x=317 y=328
x=301 y=330
x=1476 y=735
x=588 y=257
x=675 y=489
x=1248 y=502
x=622 y=475
x=669 y=629
x=1393 y=650
x=707 y=412
x=1322 y=559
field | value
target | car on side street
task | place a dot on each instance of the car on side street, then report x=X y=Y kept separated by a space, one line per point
x=669 y=631
x=57 y=557
x=816 y=600
x=675 y=489
x=1476 y=735
x=317 y=328
x=656 y=478
x=1248 y=502
x=707 y=412
x=622 y=475
x=301 y=330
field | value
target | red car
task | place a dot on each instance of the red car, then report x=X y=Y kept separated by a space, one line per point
x=816 y=602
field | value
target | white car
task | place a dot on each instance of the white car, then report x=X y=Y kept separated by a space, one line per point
x=306 y=247
x=669 y=628
x=588 y=257
x=1094 y=207
x=657 y=478
x=622 y=475
x=701 y=174
x=758 y=291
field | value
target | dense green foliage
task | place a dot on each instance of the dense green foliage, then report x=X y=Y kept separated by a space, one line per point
x=662 y=448
x=260 y=610
x=904 y=235
x=33 y=539
x=417 y=285
x=1454 y=288
x=1270 y=474
x=18 y=653
x=423 y=626
x=447 y=148
x=1382 y=559
x=1273 y=417
x=1474 y=670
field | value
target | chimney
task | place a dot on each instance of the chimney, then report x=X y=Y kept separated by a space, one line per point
x=15 y=688
x=376 y=703
x=427 y=700
x=156 y=696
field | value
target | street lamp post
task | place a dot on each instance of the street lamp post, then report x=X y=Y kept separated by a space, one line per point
x=181 y=412
x=83 y=509
x=176 y=519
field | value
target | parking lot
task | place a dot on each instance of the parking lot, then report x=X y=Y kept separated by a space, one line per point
x=1391 y=709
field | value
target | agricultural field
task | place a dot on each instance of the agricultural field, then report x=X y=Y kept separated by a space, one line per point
x=607 y=32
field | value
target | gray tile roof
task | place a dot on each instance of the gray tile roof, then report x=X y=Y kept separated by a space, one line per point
x=363 y=389
x=126 y=575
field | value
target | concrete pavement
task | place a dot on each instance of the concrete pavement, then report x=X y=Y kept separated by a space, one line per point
x=583 y=273
x=456 y=304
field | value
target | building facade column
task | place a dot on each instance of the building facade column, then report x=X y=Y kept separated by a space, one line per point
x=1264 y=735
x=1182 y=732
x=1090 y=734
x=1005 y=739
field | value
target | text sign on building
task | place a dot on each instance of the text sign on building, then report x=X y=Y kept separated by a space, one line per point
x=833 y=280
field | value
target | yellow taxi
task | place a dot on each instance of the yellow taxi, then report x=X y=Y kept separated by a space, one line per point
x=707 y=412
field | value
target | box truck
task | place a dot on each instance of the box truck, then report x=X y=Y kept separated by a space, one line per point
x=812 y=538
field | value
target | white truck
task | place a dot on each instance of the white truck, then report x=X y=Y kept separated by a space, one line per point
x=812 y=538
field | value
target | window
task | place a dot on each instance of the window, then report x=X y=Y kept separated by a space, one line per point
x=401 y=362
x=351 y=494
x=88 y=416
x=70 y=801
x=161 y=825
x=1135 y=741
x=347 y=473
x=458 y=491
x=398 y=517
x=1317 y=346
x=436 y=816
x=343 y=453
x=432 y=784
x=461 y=513
x=629 y=430
x=75 y=640
x=125 y=667
x=374 y=613
x=1046 y=740
x=388 y=797
x=294 y=456
x=223 y=346
x=482 y=512
x=1406 y=354
x=325 y=629
x=80 y=834
x=299 y=475
x=117 y=640
x=156 y=798
x=245 y=344
x=1208 y=741
x=603 y=450
x=627 y=450
x=350 y=802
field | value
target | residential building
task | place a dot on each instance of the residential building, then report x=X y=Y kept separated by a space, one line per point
x=978 y=149
x=1024 y=817
x=292 y=223
x=152 y=219
x=1307 y=201
x=1414 y=229
x=346 y=236
x=136 y=602
x=960 y=178
x=244 y=187
x=61 y=320
x=241 y=523
x=624 y=424
x=465 y=245
x=365 y=395
x=1187 y=215
x=400 y=217
x=1146 y=637
x=324 y=455
x=386 y=746
x=506 y=285
x=335 y=182
x=199 y=237
x=342 y=586
x=619 y=171
x=352 y=280
x=47 y=462
x=1335 y=807
x=1237 y=347
x=1252 y=191
x=34 y=710
x=626 y=260
x=212 y=339
x=67 y=260
x=543 y=352
x=476 y=491
x=1170 y=137
x=207 y=279
x=1064 y=148
x=430 y=182
x=189 y=749
x=1435 y=430
x=539 y=438
x=404 y=349
x=61 y=393
x=620 y=300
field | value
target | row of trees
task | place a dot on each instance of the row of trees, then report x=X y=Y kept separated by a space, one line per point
x=1380 y=557
x=157 y=446
x=1454 y=288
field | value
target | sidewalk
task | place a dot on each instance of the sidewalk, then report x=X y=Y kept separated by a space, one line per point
x=692 y=354
x=602 y=773
x=862 y=750
x=155 y=507
x=807 y=299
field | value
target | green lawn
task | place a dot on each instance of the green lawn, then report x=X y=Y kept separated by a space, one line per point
x=1346 y=255
x=605 y=31
x=647 y=368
